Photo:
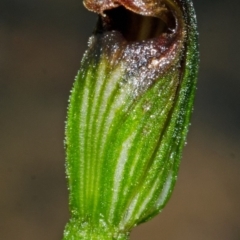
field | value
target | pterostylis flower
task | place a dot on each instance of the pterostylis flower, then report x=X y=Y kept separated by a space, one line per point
x=129 y=114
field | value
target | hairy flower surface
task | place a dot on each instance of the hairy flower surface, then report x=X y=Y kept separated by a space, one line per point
x=129 y=114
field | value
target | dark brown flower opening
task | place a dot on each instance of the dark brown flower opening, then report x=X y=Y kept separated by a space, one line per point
x=133 y=26
x=137 y=20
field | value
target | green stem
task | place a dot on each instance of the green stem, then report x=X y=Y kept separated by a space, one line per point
x=80 y=230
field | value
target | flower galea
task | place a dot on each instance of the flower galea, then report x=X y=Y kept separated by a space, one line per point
x=129 y=114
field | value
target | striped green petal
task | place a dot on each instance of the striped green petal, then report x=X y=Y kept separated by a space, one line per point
x=128 y=116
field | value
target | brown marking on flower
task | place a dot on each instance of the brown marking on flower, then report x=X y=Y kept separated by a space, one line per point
x=147 y=37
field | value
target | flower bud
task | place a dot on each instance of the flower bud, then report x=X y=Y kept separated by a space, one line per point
x=129 y=114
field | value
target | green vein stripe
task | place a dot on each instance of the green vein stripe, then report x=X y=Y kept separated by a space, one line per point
x=95 y=91
x=109 y=90
x=83 y=144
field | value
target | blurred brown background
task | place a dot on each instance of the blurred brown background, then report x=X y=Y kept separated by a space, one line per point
x=41 y=44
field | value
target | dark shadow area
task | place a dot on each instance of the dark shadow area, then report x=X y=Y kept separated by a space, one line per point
x=134 y=27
